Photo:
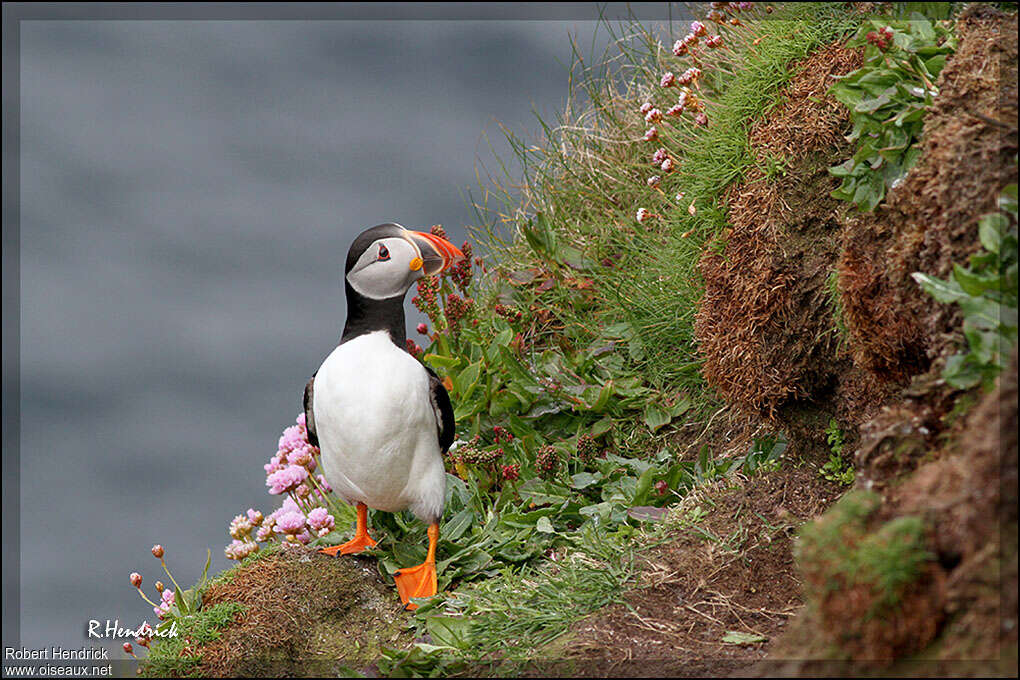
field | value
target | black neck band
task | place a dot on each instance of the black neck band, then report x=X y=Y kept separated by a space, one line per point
x=365 y=315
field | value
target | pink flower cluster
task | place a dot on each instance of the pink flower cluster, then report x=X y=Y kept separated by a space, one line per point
x=167 y=601
x=302 y=515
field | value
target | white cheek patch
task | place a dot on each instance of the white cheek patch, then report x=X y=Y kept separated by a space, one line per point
x=381 y=279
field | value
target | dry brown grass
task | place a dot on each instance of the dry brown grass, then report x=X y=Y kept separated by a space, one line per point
x=764 y=326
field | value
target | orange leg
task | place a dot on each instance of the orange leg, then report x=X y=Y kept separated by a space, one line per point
x=419 y=581
x=361 y=538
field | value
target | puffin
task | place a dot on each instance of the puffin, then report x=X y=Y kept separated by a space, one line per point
x=382 y=419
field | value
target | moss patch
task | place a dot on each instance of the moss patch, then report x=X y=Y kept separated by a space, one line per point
x=288 y=612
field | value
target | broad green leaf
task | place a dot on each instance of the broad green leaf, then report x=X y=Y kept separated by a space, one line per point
x=943 y=291
x=455 y=527
x=974 y=284
x=656 y=416
x=449 y=631
x=991 y=229
x=439 y=361
x=643 y=488
x=583 y=480
x=962 y=372
x=601 y=427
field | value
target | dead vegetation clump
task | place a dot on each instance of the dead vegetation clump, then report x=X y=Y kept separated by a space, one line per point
x=929 y=221
x=765 y=325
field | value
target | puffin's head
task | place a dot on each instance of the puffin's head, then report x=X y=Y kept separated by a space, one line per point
x=385 y=260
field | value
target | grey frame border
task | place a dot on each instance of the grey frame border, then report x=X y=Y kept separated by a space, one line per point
x=15 y=12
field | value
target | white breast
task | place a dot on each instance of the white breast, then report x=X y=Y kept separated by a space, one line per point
x=377 y=428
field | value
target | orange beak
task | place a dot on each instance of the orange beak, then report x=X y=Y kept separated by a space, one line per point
x=437 y=253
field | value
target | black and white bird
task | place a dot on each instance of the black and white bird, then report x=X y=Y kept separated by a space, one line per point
x=381 y=418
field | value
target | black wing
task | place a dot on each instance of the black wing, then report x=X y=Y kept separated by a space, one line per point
x=443 y=408
x=313 y=438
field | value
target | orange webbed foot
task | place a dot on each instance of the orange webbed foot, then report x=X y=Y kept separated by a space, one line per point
x=361 y=540
x=357 y=544
x=417 y=581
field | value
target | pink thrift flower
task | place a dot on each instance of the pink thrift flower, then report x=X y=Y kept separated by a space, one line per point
x=302 y=456
x=320 y=521
x=674 y=110
x=642 y=215
x=653 y=116
x=240 y=527
x=667 y=165
x=667 y=79
x=286 y=480
x=659 y=156
x=290 y=522
x=698 y=28
x=168 y=597
x=701 y=119
x=273 y=465
x=646 y=107
x=654 y=181
x=255 y=517
x=714 y=41
x=264 y=533
x=679 y=48
x=651 y=134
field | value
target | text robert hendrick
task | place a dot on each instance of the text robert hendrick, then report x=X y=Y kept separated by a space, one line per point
x=56 y=654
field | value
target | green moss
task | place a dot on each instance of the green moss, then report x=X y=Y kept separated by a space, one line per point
x=169 y=657
x=839 y=551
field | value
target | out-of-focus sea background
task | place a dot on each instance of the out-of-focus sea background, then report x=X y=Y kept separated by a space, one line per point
x=188 y=193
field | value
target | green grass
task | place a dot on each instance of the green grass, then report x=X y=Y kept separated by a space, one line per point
x=588 y=179
x=519 y=612
x=169 y=657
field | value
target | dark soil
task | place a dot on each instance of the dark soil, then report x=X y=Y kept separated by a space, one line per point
x=732 y=570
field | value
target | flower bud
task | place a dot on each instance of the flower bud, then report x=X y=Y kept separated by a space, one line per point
x=157 y=551
x=159 y=586
x=423 y=329
x=128 y=649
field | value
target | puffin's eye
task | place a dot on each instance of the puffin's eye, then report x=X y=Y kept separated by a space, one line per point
x=384 y=254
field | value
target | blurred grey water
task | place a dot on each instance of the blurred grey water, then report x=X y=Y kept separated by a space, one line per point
x=188 y=193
